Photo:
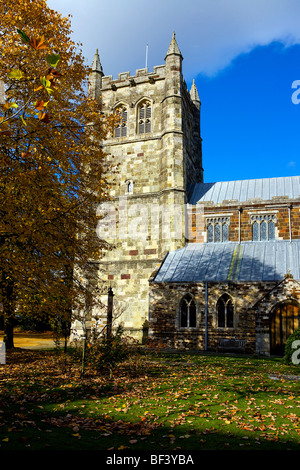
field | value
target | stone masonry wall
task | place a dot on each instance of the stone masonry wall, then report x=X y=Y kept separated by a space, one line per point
x=253 y=304
x=143 y=224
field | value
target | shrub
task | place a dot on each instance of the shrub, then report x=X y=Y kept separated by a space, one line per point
x=104 y=353
x=290 y=353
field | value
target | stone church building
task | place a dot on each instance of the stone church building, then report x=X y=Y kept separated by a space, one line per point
x=196 y=265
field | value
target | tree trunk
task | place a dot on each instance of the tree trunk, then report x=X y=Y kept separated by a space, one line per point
x=8 y=332
x=109 y=312
x=7 y=294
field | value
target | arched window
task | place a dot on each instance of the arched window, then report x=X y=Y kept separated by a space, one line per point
x=187 y=312
x=225 y=312
x=217 y=229
x=121 y=127
x=263 y=227
x=144 y=117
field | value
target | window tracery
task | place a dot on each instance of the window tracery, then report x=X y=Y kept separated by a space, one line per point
x=263 y=227
x=225 y=312
x=121 y=127
x=217 y=229
x=144 y=117
x=187 y=314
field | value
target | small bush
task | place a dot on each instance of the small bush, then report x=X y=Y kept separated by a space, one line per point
x=290 y=353
x=104 y=353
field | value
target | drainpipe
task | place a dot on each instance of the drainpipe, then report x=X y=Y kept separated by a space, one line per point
x=240 y=211
x=206 y=315
x=290 y=224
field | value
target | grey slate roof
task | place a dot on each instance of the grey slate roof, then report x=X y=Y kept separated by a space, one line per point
x=223 y=262
x=243 y=190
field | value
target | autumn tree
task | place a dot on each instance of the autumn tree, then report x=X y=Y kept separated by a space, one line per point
x=52 y=168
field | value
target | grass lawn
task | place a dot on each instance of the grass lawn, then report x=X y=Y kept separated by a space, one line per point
x=160 y=402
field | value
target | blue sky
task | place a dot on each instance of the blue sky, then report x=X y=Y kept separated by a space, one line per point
x=244 y=56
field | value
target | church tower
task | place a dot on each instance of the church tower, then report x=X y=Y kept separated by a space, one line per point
x=157 y=147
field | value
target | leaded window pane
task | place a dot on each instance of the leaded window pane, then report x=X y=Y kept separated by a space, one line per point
x=229 y=314
x=263 y=231
x=124 y=130
x=121 y=129
x=192 y=313
x=271 y=230
x=144 y=114
x=255 y=231
x=183 y=314
x=217 y=233
x=210 y=233
x=225 y=233
x=221 y=313
x=141 y=127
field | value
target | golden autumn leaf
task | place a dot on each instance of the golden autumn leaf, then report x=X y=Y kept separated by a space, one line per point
x=17 y=74
x=4 y=129
x=38 y=43
x=44 y=117
x=40 y=105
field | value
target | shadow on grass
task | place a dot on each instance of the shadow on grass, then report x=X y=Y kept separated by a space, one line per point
x=44 y=409
x=44 y=436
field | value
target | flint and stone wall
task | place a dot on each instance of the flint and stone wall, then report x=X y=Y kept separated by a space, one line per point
x=253 y=305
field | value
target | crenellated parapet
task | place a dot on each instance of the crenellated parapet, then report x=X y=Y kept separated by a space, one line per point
x=141 y=76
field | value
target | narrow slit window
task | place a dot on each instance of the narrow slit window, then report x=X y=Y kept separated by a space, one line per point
x=129 y=185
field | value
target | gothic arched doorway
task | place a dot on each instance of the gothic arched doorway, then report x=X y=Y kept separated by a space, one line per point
x=283 y=322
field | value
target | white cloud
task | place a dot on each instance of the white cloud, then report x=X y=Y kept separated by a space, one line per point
x=210 y=33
